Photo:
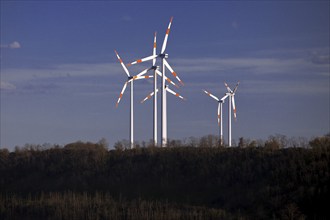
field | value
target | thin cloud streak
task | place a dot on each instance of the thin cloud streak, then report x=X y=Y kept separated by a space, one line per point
x=87 y=75
x=62 y=71
x=253 y=87
x=255 y=66
x=13 y=45
x=6 y=86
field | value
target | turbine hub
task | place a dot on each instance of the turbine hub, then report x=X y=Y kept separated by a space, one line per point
x=163 y=55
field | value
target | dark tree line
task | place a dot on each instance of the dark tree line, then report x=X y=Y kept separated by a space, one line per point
x=272 y=181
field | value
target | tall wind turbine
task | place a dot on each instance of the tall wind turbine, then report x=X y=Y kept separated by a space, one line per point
x=220 y=102
x=164 y=64
x=130 y=80
x=231 y=94
x=156 y=72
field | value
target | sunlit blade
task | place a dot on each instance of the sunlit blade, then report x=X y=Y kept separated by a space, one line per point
x=122 y=64
x=172 y=71
x=223 y=98
x=149 y=96
x=167 y=79
x=236 y=87
x=143 y=72
x=166 y=36
x=154 y=50
x=140 y=77
x=142 y=60
x=121 y=94
x=229 y=90
x=234 y=107
x=174 y=93
x=213 y=96
x=219 y=113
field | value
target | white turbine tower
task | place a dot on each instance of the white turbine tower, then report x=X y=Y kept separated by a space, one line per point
x=231 y=94
x=130 y=80
x=164 y=64
x=220 y=102
x=155 y=133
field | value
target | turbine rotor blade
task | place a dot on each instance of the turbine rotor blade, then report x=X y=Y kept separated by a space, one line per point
x=174 y=93
x=149 y=96
x=236 y=87
x=172 y=71
x=121 y=94
x=229 y=90
x=234 y=107
x=154 y=50
x=166 y=36
x=140 y=77
x=167 y=79
x=223 y=98
x=122 y=64
x=143 y=60
x=143 y=72
x=212 y=96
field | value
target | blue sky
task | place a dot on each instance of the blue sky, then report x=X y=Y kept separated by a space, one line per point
x=60 y=78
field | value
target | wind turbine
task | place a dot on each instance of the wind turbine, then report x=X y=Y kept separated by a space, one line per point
x=220 y=102
x=156 y=72
x=164 y=64
x=231 y=94
x=130 y=80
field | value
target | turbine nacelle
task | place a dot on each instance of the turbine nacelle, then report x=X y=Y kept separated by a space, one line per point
x=163 y=55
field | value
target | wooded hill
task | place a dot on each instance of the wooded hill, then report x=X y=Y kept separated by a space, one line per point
x=86 y=181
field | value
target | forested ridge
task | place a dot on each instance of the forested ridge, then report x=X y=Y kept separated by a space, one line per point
x=87 y=181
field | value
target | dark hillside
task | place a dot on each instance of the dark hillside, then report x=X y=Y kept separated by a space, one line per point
x=257 y=183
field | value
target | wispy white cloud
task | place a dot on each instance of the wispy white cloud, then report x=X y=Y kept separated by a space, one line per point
x=76 y=78
x=313 y=87
x=61 y=71
x=254 y=66
x=265 y=87
x=13 y=45
x=302 y=75
x=6 y=86
x=318 y=58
